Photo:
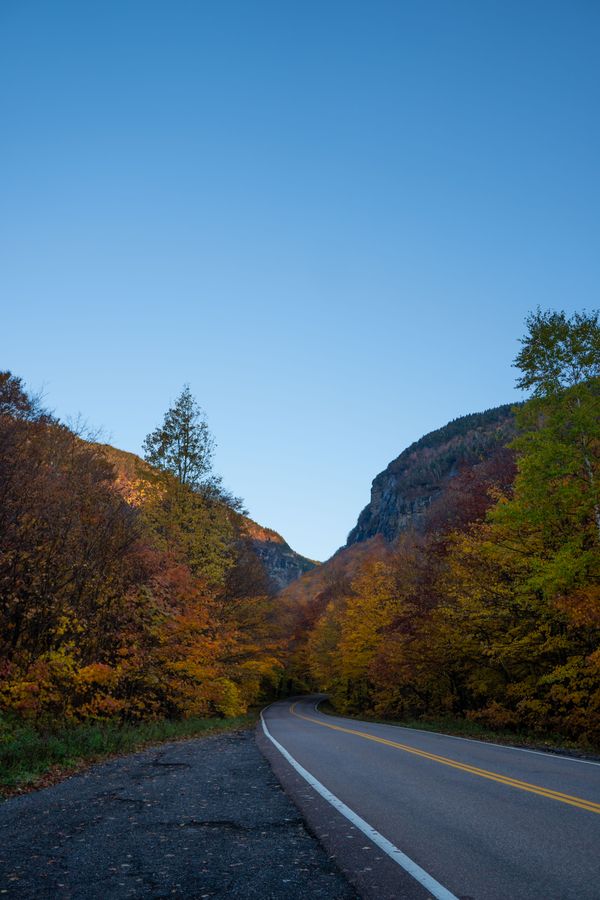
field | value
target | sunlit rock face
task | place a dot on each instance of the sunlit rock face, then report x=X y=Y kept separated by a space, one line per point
x=401 y=495
x=281 y=564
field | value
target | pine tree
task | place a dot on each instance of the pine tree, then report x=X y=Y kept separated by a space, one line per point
x=183 y=444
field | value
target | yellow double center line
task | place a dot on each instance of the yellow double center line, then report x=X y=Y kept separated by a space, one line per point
x=588 y=805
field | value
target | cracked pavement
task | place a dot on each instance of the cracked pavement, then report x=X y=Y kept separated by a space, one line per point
x=200 y=819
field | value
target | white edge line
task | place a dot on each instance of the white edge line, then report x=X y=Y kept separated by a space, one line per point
x=436 y=889
x=456 y=737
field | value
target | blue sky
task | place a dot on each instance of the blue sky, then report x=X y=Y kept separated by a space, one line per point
x=330 y=218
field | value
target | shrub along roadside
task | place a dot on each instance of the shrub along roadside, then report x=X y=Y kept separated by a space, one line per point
x=467 y=728
x=30 y=759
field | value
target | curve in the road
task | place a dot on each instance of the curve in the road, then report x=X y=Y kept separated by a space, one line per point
x=437 y=890
x=473 y=820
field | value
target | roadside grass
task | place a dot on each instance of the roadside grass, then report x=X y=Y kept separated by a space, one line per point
x=31 y=758
x=552 y=743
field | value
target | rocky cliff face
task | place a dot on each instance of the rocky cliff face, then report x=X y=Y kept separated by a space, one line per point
x=401 y=495
x=282 y=564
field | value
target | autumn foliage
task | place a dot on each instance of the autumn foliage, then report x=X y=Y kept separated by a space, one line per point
x=491 y=610
x=128 y=590
x=121 y=596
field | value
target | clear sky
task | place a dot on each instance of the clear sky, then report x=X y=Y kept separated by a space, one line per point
x=330 y=218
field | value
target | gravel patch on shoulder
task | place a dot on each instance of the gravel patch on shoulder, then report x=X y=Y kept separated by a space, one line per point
x=198 y=819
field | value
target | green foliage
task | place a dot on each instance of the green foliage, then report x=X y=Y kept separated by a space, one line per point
x=557 y=485
x=26 y=753
x=558 y=352
x=493 y=614
x=118 y=591
x=183 y=444
x=192 y=528
x=183 y=447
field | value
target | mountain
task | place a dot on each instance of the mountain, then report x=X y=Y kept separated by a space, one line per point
x=400 y=498
x=339 y=569
x=402 y=493
x=281 y=564
x=403 y=496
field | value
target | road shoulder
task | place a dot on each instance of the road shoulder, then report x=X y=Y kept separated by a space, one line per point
x=367 y=868
x=203 y=818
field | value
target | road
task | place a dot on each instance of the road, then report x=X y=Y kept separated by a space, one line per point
x=449 y=817
x=201 y=818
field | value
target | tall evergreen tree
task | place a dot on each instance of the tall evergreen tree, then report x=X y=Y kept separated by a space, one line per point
x=183 y=444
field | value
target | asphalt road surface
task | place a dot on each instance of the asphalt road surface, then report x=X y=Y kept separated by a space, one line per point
x=428 y=815
x=198 y=819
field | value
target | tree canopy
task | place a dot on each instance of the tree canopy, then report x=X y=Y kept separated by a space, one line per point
x=492 y=611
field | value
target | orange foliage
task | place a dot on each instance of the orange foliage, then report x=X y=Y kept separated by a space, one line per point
x=115 y=597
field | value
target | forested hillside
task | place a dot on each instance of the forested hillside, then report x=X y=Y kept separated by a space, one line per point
x=128 y=589
x=402 y=494
x=484 y=602
x=281 y=564
x=407 y=495
x=139 y=589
